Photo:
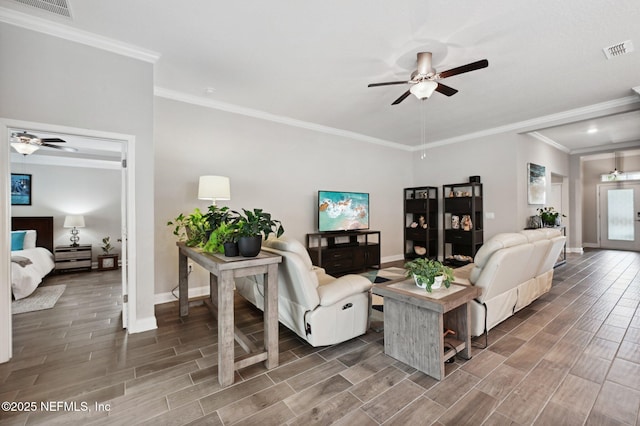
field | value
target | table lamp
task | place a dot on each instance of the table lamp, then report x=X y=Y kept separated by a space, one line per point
x=75 y=222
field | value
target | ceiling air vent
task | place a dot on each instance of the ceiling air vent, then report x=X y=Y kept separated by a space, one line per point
x=618 y=49
x=59 y=7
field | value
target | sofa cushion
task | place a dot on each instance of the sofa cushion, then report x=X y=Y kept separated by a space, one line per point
x=499 y=241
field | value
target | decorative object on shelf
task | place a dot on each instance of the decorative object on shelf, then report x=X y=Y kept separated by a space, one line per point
x=549 y=216
x=422 y=223
x=536 y=184
x=420 y=251
x=534 y=222
x=214 y=188
x=20 y=189
x=475 y=179
x=429 y=274
x=74 y=222
x=467 y=225
x=414 y=224
x=455 y=222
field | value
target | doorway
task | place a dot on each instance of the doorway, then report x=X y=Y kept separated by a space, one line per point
x=127 y=149
x=619 y=214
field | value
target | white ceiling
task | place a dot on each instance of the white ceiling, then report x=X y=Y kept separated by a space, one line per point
x=310 y=62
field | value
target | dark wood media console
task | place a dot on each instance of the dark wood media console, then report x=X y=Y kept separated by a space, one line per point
x=342 y=252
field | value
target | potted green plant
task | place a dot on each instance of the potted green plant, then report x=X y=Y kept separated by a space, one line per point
x=253 y=225
x=106 y=245
x=107 y=260
x=193 y=229
x=223 y=239
x=429 y=274
x=549 y=216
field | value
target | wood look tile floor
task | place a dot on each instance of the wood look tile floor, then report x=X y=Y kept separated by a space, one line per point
x=570 y=358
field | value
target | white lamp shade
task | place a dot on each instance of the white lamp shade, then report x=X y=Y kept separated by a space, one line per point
x=214 y=188
x=24 y=148
x=424 y=89
x=72 y=221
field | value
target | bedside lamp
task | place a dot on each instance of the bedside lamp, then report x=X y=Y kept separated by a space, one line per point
x=75 y=222
x=214 y=188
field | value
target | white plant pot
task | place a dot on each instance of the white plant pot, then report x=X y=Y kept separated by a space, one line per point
x=437 y=282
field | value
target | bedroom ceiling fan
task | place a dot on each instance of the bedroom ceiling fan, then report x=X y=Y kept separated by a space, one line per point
x=26 y=143
x=424 y=80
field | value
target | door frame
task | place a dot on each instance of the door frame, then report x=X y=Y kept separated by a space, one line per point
x=128 y=149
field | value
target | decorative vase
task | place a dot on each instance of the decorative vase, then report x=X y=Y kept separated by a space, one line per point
x=250 y=246
x=437 y=282
x=230 y=249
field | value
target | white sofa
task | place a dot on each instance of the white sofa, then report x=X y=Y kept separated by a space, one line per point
x=513 y=270
x=321 y=309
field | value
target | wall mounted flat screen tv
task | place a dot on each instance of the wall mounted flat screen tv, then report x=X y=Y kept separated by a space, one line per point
x=342 y=211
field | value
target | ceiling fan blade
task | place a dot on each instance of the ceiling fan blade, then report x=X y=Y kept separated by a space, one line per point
x=388 y=83
x=464 y=68
x=446 y=90
x=52 y=140
x=401 y=98
x=424 y=63
x=63 y=148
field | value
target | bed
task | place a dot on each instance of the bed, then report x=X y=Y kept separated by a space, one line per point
x=32 y=259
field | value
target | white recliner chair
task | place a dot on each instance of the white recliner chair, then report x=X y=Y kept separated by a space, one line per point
x=321 y=309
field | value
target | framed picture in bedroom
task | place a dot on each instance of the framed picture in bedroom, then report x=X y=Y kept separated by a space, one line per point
x=20 y=189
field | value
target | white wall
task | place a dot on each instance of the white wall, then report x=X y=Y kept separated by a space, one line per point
x=82 y=87
x=272 y=166
x=59 y=191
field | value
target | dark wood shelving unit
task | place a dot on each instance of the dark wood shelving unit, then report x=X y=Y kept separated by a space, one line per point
x=421 y=222
x=462 y=200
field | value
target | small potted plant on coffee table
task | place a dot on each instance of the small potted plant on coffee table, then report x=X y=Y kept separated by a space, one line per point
x=429 y=274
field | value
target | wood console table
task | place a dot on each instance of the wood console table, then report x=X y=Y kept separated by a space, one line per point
x=222 y=271
x=414 y=321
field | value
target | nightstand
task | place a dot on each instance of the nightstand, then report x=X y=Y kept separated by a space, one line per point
x=70 y=258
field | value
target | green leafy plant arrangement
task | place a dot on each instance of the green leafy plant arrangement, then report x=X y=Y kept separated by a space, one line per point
x=224 y=233
x=426 y=271
x=257 y=222
x=193 y=229
x=549 y=215
x=106 y=245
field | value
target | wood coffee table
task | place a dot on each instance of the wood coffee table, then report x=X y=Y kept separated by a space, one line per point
x=414 y=321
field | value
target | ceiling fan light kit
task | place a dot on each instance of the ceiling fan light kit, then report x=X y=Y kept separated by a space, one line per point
x=424 y=89
x=424 y=79
x=26 y=143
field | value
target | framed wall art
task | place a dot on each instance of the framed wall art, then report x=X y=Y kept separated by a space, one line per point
x=20 y=189
x=536 y=184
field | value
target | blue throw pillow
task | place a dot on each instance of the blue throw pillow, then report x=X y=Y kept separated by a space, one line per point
x=17 y=240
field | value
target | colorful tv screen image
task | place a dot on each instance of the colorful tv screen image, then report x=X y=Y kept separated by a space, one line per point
x=342 y=211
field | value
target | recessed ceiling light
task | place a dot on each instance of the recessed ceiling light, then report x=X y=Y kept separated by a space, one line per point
x=592 y=130
x=209 y=90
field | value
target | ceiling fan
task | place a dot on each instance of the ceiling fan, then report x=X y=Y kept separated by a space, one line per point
x=26 y=143
x=423 y=80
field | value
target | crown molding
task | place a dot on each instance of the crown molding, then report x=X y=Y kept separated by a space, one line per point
x=236 y=109
x=539 y=123
x=550 y=141
x=66 y=32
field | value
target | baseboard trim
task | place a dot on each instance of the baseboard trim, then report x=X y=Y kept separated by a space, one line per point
x=393 y=258
x=577 y=250
x=167 y=297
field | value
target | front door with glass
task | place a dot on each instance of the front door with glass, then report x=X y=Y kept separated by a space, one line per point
x=620 y=216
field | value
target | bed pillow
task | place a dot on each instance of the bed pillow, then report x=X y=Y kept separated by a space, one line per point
x=17 y=240
x=29 y=239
